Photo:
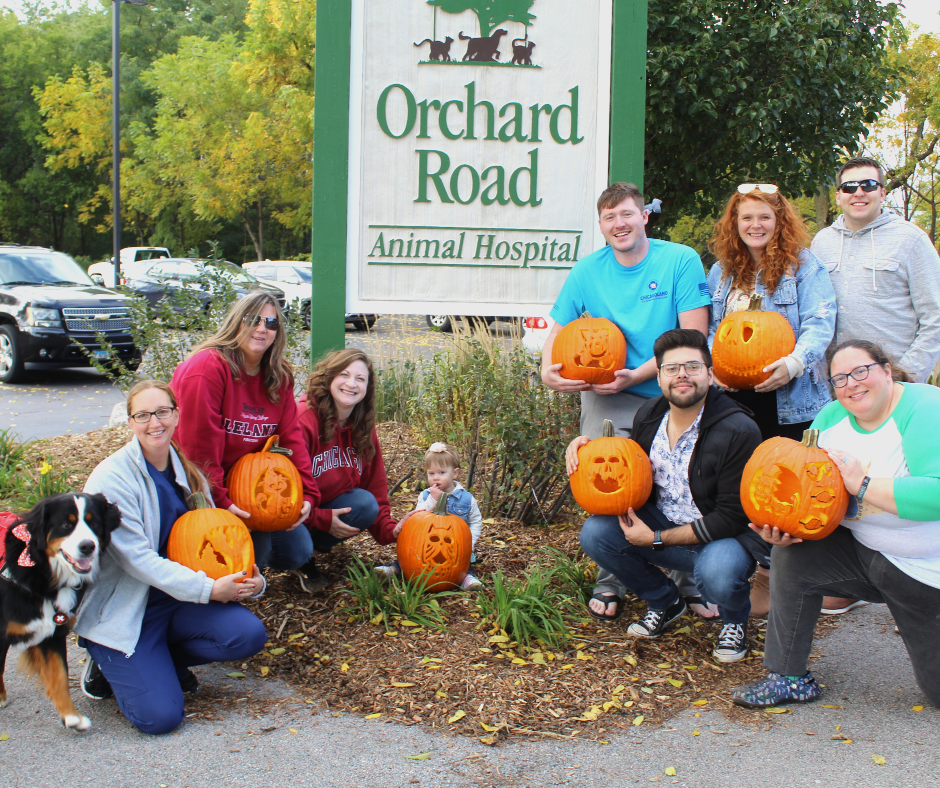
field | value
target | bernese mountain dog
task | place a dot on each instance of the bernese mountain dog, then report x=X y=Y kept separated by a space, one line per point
x=49 y=556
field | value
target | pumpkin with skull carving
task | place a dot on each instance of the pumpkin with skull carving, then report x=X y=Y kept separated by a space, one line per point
x=211 y=540
x=435 y=545
x=267 y=485
x=613 y=474
x=590 y=349
x=747 y=341
x=794 y=486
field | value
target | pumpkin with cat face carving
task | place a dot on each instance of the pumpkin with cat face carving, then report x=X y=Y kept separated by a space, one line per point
x=613 y=474
x=590 y=349
x=435 y=545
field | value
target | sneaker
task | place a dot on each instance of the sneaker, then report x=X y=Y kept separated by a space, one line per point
x=188 y=682
x=836 y=605
x=655 y=621
x=471 y=582
x=732 y=643
x=309 y=577
x=775 y=689
x=94 y=684
x=388 y=570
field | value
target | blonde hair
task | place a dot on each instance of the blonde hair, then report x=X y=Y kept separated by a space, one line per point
x=233 y=331
x=442 y=454
x=194 y=478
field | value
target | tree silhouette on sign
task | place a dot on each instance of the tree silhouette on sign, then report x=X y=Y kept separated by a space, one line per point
x=490 y=13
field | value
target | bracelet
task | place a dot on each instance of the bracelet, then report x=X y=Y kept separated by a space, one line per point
x=863 y=489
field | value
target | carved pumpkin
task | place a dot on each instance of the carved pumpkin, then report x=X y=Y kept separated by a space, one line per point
x=267 y=486
x=747 y=341
x=437 y=544
x=589 y=349
x=613 y=474
x=794 y=486
x=214 y=541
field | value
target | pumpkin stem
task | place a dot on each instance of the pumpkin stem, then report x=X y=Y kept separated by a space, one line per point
x=585 y=313
x=441 y=507
x=607 y=431
x=197 y=500
x=756 y=302
x=272 y=448
x=810 y=438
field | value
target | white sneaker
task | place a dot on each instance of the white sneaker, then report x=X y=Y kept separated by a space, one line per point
x=471 y=582
x=388 y=570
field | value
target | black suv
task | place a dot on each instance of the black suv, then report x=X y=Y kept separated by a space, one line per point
x=49 y=307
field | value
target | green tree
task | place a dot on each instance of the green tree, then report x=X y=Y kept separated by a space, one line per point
x=778 y=93
x=490 y=13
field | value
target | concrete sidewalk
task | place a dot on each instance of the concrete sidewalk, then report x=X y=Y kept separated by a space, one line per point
x=865 y=669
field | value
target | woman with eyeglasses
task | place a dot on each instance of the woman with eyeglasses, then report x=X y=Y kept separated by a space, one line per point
x=147 y=619
x=880 y=431
x=236 y=389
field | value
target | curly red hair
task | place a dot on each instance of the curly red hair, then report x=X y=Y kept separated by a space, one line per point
x=782 y=253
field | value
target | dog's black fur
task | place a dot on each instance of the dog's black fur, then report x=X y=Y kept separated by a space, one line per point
x=67 y=536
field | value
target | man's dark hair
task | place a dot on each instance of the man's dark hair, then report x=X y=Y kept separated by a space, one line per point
x=860 y=161
x=682 y=337
x=616 y=193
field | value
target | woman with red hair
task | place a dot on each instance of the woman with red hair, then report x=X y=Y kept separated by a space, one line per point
x=760 y=242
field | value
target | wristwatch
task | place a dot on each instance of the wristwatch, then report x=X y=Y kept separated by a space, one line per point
x=863 y=489
x=658 y=540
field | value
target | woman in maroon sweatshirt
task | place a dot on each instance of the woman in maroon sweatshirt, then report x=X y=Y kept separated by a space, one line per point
x=337 y=416
x=235 y=390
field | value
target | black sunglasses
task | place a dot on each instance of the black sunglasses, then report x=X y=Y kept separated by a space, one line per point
x=868 y=185
x=270 y=323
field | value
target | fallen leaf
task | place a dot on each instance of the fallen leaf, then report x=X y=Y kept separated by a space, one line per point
x=846 y=741
x=776 y=710
x=879 y=759
x=377 y=619
x=829 y=706
x=538 y=658
x=618 y=689
x=696 y=732
x=406 y=623
x=391 y=634
x=441 y=694
x=235 y=674
x=567 y=667
x=265 y=670
x=518 y=661
x=498 y=639
x=638 y=720
x=647 y=690
x=670 y=771
x=664 y=665
x=296 y=635
x=292 y=730
x=276 y=652
x=458 y=715
x=421 y=757
x=675 y=682
x=699 y=702
x=491 y=738
x=683 y=630
x=4 y=736
x=630 y=660
x=489 y=728
x=373 y=716
x=917 y=708
x=344 y=667
x=489 y=521
x=402 y=684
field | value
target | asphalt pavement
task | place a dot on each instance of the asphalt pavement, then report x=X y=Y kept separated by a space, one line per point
x=869 y=699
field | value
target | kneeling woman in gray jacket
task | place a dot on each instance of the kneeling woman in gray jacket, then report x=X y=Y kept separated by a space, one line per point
x=147 y=619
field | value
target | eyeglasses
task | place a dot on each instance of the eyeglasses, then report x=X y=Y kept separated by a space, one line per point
x=859 y=373
x=868 y=186
x=144 y=416
x=270 y=323
x=766 y=188
x=691 y=368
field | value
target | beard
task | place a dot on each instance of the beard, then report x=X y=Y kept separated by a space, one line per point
x=692 y=397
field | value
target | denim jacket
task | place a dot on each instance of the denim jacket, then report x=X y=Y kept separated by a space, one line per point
x=808 y=302
x=461 y=503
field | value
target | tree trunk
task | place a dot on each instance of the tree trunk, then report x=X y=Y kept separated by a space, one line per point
x=821 y=204
x=247 y=225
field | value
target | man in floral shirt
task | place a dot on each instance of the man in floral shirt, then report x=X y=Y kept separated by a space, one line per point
x=698 y=441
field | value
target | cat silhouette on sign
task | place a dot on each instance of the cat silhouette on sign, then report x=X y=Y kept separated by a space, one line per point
x=440 y=50
x=522 y=52
x=484 y=49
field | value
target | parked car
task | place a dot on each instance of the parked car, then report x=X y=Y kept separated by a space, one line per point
x=103 y=273
x=445 y=322
x=534 y=333
x=155 y=279
x=295 y=279
x=50 y=309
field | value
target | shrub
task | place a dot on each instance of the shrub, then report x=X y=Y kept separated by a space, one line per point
x=22 y=484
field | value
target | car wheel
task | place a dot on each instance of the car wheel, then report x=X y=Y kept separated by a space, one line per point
x=11 y=360
x=441 y=322
x=305 y=315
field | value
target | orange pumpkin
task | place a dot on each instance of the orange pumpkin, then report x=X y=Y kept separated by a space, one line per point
x=589 y=349
x=613 y=474
x=437 y=544
x=267 y=486
x=747 y=341
x=210 y=540
x=794 y=486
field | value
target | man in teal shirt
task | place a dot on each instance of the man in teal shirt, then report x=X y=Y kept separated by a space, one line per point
x=646 y=287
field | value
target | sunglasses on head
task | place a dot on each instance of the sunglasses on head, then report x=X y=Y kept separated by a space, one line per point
x=270 y=323
x=766 y=188
x=868 y=185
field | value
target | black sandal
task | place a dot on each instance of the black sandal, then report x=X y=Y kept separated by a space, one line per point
x=608 y=599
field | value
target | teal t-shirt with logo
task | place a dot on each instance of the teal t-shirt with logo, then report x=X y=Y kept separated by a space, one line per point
x=644 y=300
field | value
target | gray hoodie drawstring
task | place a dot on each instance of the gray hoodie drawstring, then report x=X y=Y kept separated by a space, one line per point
x=874 y=284
x=841 y=246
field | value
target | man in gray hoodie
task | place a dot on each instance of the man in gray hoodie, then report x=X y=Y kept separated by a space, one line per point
x=885 y=272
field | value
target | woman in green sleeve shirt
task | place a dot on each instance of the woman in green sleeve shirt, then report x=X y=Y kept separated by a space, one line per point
x=880 y=431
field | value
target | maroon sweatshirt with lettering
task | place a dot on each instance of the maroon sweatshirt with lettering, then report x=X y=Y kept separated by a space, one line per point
x=222 y=419
x=337 y=469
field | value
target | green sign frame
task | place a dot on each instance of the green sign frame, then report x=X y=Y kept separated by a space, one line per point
x=331 y=147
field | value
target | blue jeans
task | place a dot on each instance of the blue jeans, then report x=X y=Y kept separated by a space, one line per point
x=364 y=512
x=721 y=568
x=282 y=549
x=174 y=636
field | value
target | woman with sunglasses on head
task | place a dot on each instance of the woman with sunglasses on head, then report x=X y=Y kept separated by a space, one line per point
x=236 y=390
x=880 y=432
x=148 y=619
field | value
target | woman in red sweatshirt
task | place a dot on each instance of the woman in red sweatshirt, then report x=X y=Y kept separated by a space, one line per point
x=235 y=390
x=337 y=416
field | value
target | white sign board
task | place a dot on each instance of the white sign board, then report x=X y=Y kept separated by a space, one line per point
x=478 y=146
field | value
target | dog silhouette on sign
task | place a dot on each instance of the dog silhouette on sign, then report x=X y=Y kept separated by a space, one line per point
x=522 y=52
x=483 y=50
x=440 y=50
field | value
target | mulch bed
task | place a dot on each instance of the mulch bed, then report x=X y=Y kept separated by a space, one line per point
x=459 y=680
